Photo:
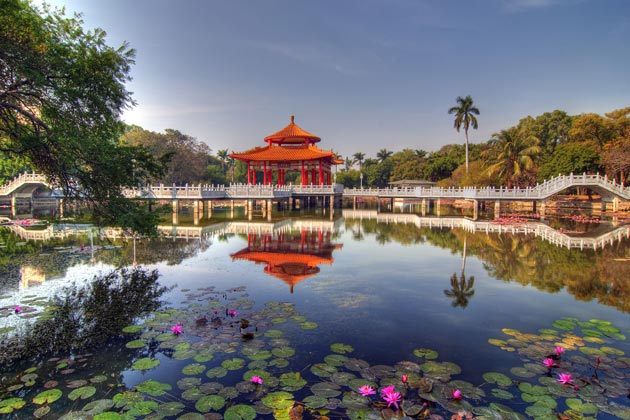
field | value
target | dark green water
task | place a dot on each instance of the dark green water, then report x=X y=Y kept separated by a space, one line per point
x=449 y=307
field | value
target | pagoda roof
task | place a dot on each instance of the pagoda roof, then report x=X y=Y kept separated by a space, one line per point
x=288 y=153
x=281 y=258
x=292 y=134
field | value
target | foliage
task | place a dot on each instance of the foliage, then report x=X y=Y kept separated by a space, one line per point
x=62 y=93
x=86 y=317
x=569 y=158
x=465 y=113
x=512 y=156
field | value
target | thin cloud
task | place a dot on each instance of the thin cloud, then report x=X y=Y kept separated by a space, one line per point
x=167 y=111
x=524 y=5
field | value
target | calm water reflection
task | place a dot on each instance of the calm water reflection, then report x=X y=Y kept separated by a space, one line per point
x=385 y=285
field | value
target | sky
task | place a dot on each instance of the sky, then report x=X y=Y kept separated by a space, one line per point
x=364 y=75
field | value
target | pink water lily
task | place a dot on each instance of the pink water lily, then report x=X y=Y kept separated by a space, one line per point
x=549 y=363
x=565 y=379
x=387 y=390
x=17 y=309
x=256 y=380
x=366 y=390
x=559 y=351
x=232 y=313
x=404 y=379
x=177 y=329
x=456 y=394
x=392 y=398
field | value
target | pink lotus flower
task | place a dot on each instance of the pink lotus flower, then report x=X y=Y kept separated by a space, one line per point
x=387 y=390
x=565 y=379
x=256 y=380
x=456 y=394
x=177 y=329
x=559 y=351
x=549 y=363
x=17 y=309
x=392 y=398
x=232 y=313
x=366 y=390
x=404 y=379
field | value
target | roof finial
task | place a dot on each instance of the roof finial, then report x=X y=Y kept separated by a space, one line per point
x=292 y=118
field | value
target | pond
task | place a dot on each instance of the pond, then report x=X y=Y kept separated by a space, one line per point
x=457 y=315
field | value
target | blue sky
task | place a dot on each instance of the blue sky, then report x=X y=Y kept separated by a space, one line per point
x=364 y=74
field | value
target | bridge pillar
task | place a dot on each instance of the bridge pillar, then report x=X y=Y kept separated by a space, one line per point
x=475 y=209
x=424 y=207
x=354 y=203
x=331 y=203
x=497 y=209
x=175 y=212
x=249 y=206
x=269 y=207
x=61 y=207
x=543 y=209
x=209 y=209
x=438 y=203
x=616 y=202
x=13 y=205
x=604 y=203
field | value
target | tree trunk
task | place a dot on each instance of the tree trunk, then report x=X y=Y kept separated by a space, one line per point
x=466 y=132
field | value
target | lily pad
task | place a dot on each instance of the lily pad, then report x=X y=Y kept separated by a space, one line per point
x=335 y=360
x=581 y=407
x=84 y=393
x=425 y=353
x=153 y=388
x=10 y=404
x=308 y=325
x=323 y=370
x=273 y=334
x=145 y=363
x=170 y=409
x=501 y=394
x=314 y=402
x=240 y=412
x=48 y=396
x=326 y=389
x=292 y=381
x=193 y=369
x=341 y=348
x=98 y=406
x=210 y=402
x=497 y=378
x=131 y=329
x=136 y=344
x=278 y=400
x=283 y=351
x=233 y=364
x=41 y=411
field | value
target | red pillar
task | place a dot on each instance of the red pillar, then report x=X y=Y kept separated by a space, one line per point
x=303 y=174
x=321 y=173
x=249 y=174
x=313 y=176
x=265 y=173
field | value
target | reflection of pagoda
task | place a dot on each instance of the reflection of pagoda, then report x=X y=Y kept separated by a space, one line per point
x=289 y=256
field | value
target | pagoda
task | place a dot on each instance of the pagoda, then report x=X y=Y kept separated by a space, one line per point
x=291 y=149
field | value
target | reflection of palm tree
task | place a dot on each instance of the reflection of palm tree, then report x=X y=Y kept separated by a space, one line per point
x=461 y=290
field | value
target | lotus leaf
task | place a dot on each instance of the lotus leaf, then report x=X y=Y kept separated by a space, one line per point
x=240 y=412
x=10 y=404
x=259 y=364
x=592 y=333
x=29 y=377
x=356 y=365
x=278 y=400
x=233 y=364
x=308 y=325
x=283 y=351
x=153 y=388
x=84 y=393
x=298 y=318
x=187 y=383
x=497 y=378
x=581 y=407
x=444 y=368
x=216 y=372
x=229 y=392
x=425 y=353
x=191 y=416
x=292 y=381
x=594 y=340
x=193 y=369
x=538 y=410
x=342 y=378
x=192 y=394
x=136 y=344
x=612 y=350
x=260 y=355
x=203 y=357
x=326 y=389
x=210 y=402
x=354 y=401
x=335 y=359
x=98 y=379
x=279 y=363
x=341 y=348
x=166 y=337
x=314 y=402
x=273 y=334
x=279 y=320
x=522 y=372
x=142 y=408
x=181 y=346
x=48 y=396
x=591 y=351
x=41 y=411
x=564 y=324
x=97 y=406
x=359 y=382
x=184 y=354
x=501 y=394
x=145 y=363
x=170 y=409
x=131 y=329
x=266 y=376
x=323 y=370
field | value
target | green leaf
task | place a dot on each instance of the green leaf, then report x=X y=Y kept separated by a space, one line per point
x=341 y=348
x=7 y=406
x=84 y=393
x=48 y=396
x=240 y=412
x=193 y=369
x=153 y=388
x=233 y=364
x=145 y=363
x=426 y=353
x=278 y=400
x=210 y=402
x=497 y=378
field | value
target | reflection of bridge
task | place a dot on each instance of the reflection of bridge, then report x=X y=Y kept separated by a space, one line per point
x=536 y=228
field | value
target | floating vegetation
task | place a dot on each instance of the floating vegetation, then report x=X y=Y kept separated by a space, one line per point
x=217 y=371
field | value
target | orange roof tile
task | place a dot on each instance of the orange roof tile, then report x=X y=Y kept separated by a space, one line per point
x=292 y=134
x=282 y=153
x=279 y=258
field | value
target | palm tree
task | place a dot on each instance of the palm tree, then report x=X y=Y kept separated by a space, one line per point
x=348 y=163
x=359 y=158
x=461 y=290
x=512 y=155
x=223 y=157
x=465 y=116
x=383 y=154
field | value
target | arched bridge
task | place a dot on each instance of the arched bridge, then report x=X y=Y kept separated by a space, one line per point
x=23 y=185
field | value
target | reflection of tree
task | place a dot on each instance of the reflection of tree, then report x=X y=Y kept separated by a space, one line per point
x=461 y=290
x=85 y=318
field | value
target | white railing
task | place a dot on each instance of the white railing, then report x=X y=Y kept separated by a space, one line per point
x=20 y=180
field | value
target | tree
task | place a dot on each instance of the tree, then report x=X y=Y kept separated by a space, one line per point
x=551 y=128
x=383 y=154
x=576 y=157
x=223 y=156
x=465 y=116
x=512 y=156
x=358 y=158
x=62 y=93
